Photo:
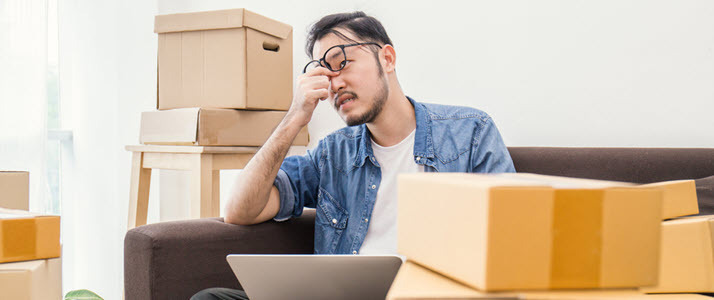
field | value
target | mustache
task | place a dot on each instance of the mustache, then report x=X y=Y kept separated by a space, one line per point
x=337 y=97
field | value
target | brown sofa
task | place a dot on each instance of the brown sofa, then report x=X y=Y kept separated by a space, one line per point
x=174 y=260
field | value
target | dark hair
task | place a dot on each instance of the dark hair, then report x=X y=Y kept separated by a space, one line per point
x=366 y=28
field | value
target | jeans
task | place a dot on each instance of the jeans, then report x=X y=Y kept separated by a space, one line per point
x=220 y=294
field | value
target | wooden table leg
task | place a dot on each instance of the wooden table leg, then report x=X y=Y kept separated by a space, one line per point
x=205 y=193
x=138 y=191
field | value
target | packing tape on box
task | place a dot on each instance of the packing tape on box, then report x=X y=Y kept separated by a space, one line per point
x=576 y=251
x=19 y=238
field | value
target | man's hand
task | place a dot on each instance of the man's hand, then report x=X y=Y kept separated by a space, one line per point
x=254 y=198
x=312 y=87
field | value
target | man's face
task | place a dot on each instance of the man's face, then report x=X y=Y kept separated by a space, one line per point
x=360 y=90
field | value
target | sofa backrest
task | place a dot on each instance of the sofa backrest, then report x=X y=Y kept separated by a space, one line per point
x=639 y=165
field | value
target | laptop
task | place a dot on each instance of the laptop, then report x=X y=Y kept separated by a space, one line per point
x=315 y=277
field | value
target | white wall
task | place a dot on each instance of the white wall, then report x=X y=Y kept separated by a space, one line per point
x=551 y=73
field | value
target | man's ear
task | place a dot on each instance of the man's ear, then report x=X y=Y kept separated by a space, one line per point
x=388 y=58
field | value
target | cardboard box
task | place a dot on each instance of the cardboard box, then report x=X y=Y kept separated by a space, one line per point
x=31 y=280
x=15 y=190
x=686 y=261
x=679 y=197
x=224 y=59
x=28 y=236
x=212 y=127
x=497 y=233
x=415 y=282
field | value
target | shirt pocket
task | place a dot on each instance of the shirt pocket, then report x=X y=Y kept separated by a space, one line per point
x=333 y=213
x=330 y=223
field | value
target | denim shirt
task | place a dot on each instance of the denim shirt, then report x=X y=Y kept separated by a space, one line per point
x=340 y=177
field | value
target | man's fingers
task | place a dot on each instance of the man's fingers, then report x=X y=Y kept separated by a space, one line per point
x=321 y=71
x=315 y=81
x=318 y=94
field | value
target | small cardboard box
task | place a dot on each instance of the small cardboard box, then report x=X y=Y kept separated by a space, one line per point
x=212 y=127
x=686 y=261
x=31 y=280
x=415 y=282
x=496 y=233
x=224 y=59
x=28 y=236
x=15 y=190
x=679 y=197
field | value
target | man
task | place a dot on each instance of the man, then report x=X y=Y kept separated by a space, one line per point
x=350 y=177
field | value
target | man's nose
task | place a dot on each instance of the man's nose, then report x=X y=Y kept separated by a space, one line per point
x=336 y=83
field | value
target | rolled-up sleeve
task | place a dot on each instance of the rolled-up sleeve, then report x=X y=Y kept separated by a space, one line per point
x=297 y=183
x=489 y=153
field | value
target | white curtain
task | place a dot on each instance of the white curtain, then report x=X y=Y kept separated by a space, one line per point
x=23 y=93
x=107 y=70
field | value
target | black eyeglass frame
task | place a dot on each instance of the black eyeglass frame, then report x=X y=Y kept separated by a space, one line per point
x=324 y=63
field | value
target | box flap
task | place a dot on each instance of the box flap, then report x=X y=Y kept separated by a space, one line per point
x=560 y=182
x=21 y=266
x=680 y=197
x=20 y=214
x=220 y=19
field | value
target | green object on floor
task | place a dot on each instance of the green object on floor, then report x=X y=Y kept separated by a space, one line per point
x=82 y=295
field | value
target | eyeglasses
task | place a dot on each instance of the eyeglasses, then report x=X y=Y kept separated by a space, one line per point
x=334 y=59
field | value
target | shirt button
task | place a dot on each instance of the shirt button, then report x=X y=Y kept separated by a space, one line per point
x=354 y=252
x=334 y=221
x=374 y=186
x=366 y=220
x=418 y=158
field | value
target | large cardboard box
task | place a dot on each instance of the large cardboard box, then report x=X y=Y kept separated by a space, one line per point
x=497 y=233
x=224 y=59
x=28 y=236
x=15 y=190
x=686 y=261
x=212 y=127
x=31 y=280
x=415 y=282
x=679 y=197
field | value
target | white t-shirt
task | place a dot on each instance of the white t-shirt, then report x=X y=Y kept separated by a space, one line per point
x=381 y=235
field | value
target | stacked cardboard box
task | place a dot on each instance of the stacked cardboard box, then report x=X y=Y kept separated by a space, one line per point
x=224 y=79
x=687 y=256
x=31 y=280
x=15 y=189
x=509 y=232
x=30 y=265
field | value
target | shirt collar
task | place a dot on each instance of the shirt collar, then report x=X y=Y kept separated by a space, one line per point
x=423 y=142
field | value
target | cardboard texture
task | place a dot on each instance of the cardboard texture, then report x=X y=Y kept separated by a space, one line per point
x=15 y=190
x=224 y=59
x=212 y=127
x=28 y=236
x=686 y=261
x=415 y=282
x=496 y=233
x=679 y=197
x=31 y=280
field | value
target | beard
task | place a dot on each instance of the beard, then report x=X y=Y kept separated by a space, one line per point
x=377 y=104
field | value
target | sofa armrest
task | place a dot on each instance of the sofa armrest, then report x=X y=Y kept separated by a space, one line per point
x=174 y=260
